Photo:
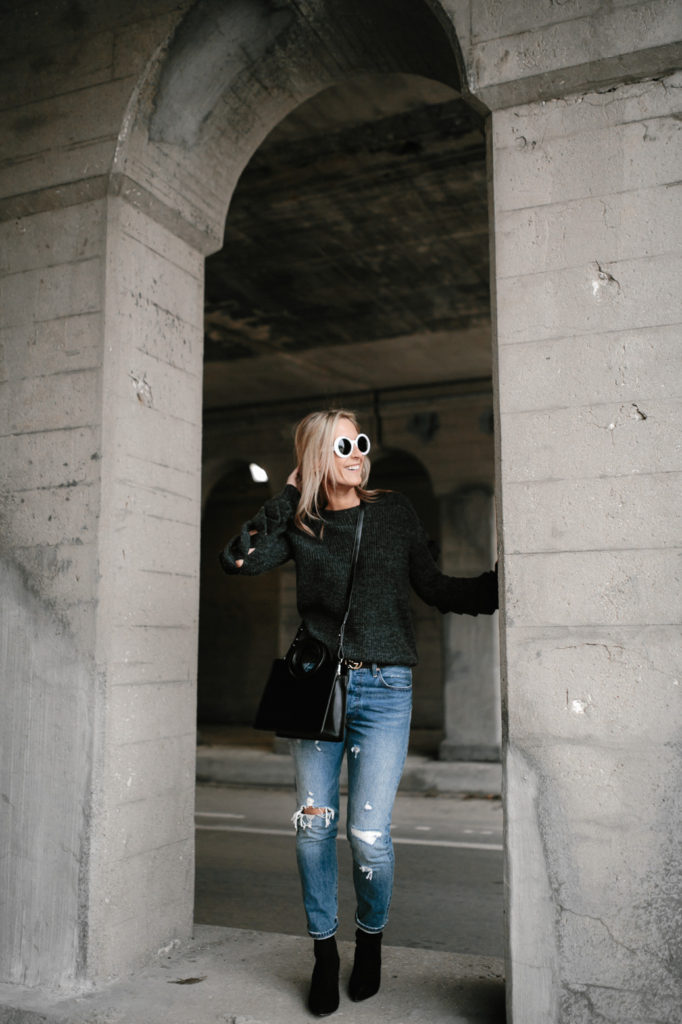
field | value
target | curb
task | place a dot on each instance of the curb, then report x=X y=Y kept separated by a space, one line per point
x=248 y=766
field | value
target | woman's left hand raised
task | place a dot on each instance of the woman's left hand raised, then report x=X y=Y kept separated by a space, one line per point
x=240 y=561
x=294 y=478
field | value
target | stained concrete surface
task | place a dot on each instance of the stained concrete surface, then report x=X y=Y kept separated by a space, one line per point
x=230 y=976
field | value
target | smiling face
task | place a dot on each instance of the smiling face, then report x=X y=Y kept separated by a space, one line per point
x=348 y=471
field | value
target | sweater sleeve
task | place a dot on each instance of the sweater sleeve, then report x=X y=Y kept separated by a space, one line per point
x=474 y=595
x=270 y=541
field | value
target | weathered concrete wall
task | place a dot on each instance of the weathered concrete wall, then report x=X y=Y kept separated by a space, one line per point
x=50 y=452
x=530 y=50
x=85 y=776
x=67 y=75
x=148 y=591
x=588 y=266
x=101 y=451
x=45 y=802
x=92 y=766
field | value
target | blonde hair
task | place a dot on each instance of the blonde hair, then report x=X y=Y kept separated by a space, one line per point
x=314 y=442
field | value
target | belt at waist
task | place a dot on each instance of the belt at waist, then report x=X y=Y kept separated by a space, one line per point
x=361 y=664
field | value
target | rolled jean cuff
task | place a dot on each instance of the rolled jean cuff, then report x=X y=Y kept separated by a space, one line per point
x=370 y=931
x=324 y=935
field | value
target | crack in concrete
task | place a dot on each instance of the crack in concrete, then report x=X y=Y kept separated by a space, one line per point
x=593 y=643
x=583 y=996
x=599 y=920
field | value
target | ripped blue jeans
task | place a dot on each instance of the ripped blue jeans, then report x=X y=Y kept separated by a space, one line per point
x=378 y=713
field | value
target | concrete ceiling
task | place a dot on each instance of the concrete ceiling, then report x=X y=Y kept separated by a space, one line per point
x=356 y=250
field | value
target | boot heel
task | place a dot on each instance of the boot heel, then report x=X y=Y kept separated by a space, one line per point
x=323 y=998
x=365 y=979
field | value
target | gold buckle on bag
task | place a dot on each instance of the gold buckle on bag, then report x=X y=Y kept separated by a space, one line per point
x=354 y=664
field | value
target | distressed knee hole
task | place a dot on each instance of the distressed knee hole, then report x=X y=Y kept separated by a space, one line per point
x=368 y=836
x=303 y=818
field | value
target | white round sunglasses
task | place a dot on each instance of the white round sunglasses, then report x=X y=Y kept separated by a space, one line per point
x=343 y=446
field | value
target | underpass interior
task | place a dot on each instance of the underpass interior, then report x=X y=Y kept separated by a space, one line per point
x=355 y=267
x=354 y=271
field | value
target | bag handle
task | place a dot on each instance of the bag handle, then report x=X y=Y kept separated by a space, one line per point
x=351 y=582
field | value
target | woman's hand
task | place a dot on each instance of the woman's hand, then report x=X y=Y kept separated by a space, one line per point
x=240 y=561
x=294 y=478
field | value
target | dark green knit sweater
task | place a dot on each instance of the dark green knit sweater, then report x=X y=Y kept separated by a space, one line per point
x=394 y=556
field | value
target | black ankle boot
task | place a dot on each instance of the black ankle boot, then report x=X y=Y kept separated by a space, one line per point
x=365 y=978
x=324 y=985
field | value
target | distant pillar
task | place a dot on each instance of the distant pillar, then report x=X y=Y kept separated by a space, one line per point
x=470 y=643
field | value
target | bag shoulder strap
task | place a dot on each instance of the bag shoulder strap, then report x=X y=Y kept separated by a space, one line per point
x=351 y=581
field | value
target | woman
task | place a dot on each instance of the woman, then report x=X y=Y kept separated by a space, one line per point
x=313 y=521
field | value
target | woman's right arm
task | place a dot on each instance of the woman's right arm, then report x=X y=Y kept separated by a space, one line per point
x=262 y=543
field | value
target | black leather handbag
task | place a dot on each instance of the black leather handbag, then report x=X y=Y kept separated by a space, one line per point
x=305 y=695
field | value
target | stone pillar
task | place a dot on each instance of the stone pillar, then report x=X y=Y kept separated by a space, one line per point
x=587 y=247
x=102 y=331
x=470 y=643
x=142 y=862
x=51 y=315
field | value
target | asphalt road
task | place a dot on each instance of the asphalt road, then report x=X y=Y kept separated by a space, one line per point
x=448 y=892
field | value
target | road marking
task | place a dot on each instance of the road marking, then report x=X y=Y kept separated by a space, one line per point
x=446 y=842
x=405 y=840
x=218 y=814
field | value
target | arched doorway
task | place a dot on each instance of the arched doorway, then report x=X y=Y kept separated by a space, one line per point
x=355 y=256
x=354 y=271
x=237 y=627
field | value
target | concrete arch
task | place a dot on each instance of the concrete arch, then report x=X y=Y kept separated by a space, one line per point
x=230 y=73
